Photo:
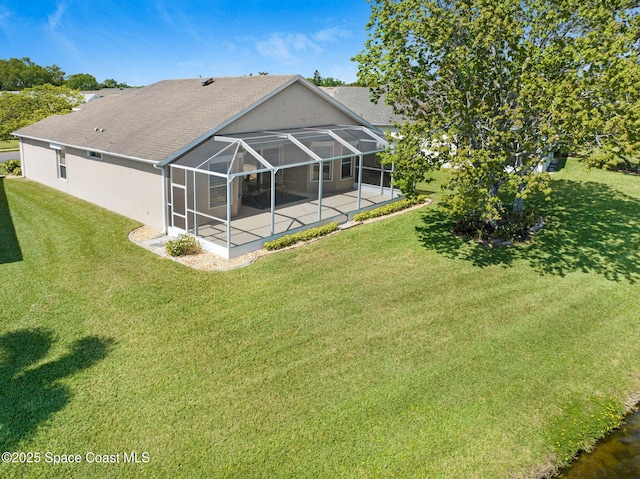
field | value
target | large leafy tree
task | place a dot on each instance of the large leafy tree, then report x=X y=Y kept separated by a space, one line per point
x=111 y=83
x=82 y=81
x=34 y=104
x=491 y=88
x=20 y=73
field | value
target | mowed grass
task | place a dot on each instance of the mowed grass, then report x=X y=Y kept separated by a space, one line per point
x=388 y=350
x=9 y=144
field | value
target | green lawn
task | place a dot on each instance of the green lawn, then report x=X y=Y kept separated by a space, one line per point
x=9 y=145
x=388 y=350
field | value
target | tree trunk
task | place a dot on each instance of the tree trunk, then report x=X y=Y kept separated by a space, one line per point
x=518 y=205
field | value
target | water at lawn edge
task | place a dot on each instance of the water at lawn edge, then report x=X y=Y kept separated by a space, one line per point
x=616 y=457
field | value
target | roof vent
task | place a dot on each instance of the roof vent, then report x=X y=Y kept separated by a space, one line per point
x=206 y=81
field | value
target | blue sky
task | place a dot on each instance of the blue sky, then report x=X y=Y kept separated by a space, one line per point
x=143 y=41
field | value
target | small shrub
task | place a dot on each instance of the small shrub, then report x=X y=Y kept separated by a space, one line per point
x=609 y=160
x=183 y=245
x=13 y=167
x=301 y=236
x=390 y=208
x=511 y=227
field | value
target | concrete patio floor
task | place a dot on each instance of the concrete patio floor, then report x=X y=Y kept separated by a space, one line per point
x=254 y=225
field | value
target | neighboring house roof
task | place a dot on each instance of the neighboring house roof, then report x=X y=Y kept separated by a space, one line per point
x=106 y=92
x=157 y=122
x=358 y=100
x=88 y=96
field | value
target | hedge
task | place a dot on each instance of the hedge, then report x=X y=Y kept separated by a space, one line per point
x=305 y=235
x=390 y=208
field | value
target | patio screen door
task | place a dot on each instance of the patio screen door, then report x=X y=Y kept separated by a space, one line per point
x=178 y=198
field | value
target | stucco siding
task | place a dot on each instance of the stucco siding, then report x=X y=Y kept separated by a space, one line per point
x=130 y=188
x=294 y=107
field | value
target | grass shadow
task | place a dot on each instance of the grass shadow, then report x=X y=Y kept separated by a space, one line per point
x=435 y=234
x=29 y=391
x=427 y=192
x=590 y=227
x=10 y=251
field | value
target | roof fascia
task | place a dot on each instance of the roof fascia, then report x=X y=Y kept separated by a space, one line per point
x=84 y=148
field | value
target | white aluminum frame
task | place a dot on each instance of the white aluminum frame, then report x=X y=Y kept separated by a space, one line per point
x=234 y=144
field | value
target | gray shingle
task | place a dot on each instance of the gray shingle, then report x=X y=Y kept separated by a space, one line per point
x=156 y=121
x=358 y=100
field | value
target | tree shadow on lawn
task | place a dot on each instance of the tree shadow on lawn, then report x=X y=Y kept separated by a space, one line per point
x=9 y=247
x=29 y=391
x=589 y=227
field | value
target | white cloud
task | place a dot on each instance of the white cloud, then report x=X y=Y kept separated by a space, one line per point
x=62 y=33
x=230 y=46
x=177 y=20
x=5 y=13
x=286 y=47
x=5 y=18
x=164 y=14
x=53 y=20
x=347 y=72
x=291 y=47
x=332 y=34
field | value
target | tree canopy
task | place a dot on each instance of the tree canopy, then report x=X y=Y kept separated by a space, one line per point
x=111 y=83
x=491 y=88
x=18 y=110
x=19 y=73
x=82 y=81
x=30 y=92
x=318 y=80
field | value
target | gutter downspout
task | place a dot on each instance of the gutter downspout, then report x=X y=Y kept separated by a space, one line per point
x=22 y=165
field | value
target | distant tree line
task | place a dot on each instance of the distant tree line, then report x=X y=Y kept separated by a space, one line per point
x=318 y=80
x=17 y=74
x=31 y=92
x=30 y=105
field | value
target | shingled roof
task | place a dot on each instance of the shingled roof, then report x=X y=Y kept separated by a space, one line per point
x=155 y=122
x=358 y=100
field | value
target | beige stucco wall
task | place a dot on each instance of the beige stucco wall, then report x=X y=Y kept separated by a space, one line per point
x=294 y=107
x=298 y=180
x=130 y=188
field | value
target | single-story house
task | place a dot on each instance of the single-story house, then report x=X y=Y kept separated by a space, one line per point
x=234 y=161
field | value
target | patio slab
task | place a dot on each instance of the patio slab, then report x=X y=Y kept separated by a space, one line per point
x=254 y=225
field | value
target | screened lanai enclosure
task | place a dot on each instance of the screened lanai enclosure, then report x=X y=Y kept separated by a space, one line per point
x=238 y=191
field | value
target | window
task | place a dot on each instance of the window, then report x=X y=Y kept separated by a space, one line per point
x=346 y=168
x=61 y=159
x=326 y=171
x=218 y=185
x=93 y=154
x=324 y=149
